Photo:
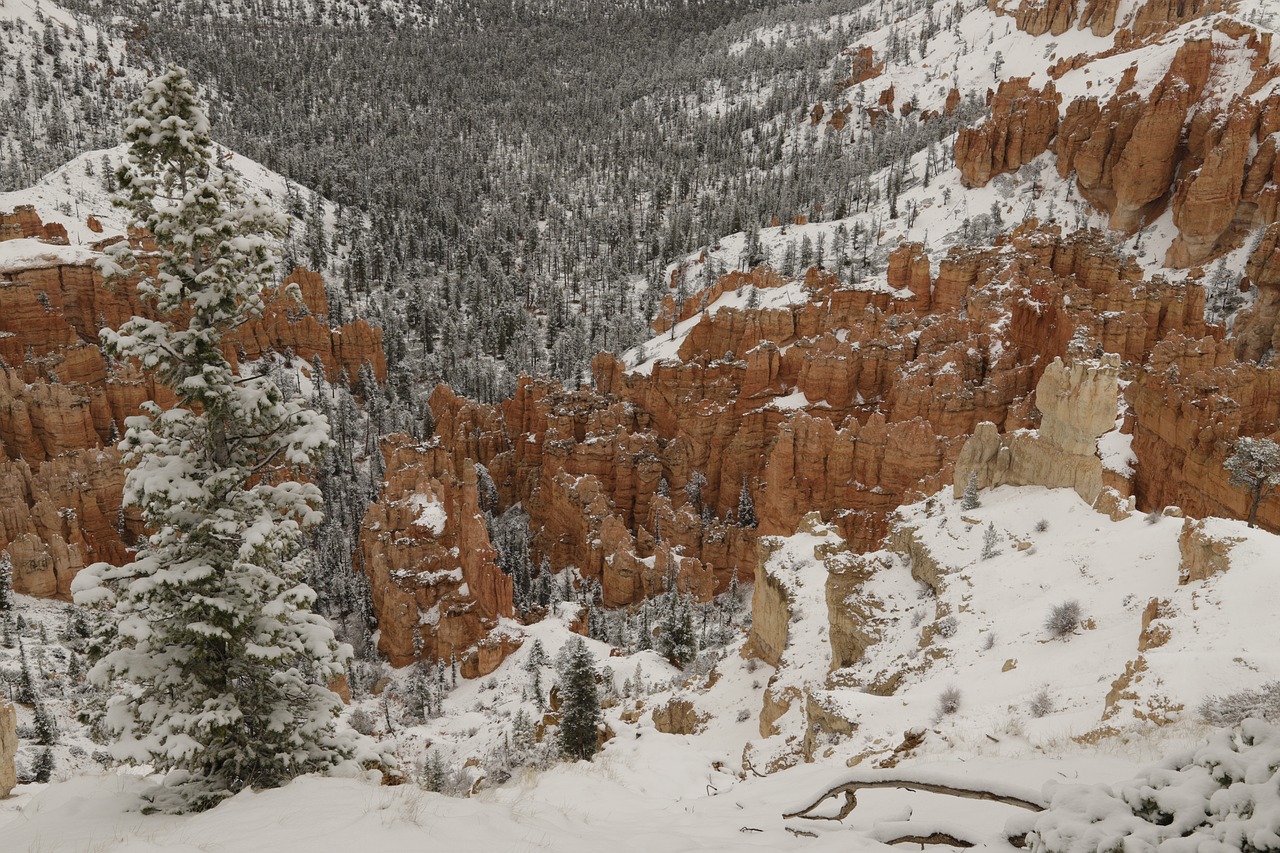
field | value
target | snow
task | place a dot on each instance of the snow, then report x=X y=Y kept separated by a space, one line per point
x=431 y=513
x=23 y=254
x=73 y=192
x=1116 y=450
x=648 y=790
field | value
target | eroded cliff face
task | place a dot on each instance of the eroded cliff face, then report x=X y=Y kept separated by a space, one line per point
x=62 y=403
x=1141 y=21
x=848 y=402
x=1077 y=406
x=437 y=591
x=1197 y=137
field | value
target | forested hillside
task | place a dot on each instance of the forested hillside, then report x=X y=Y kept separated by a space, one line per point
x=514 y=183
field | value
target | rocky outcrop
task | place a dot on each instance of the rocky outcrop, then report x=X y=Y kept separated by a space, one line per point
x=770 y=613
x=1022 y=124
x=437 y=591
x=1208 y=154
x=810 y=596
x=8 y=748
x=1141 y=23
x=1202 y=555
x=1257 y=328
x=1078 y=404
x=1190 y=403
x=678 y=717
x=62 y=405
x=24 y=222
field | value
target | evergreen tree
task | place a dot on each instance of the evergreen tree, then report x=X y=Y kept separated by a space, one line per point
x=580 y=711
x=27 y=693
x=44 y=766
x=6 y=582
x=970 y=499
x=990 y=542
x=46 y=726
x=677 y=639
x=220 y=667
x=746 y=507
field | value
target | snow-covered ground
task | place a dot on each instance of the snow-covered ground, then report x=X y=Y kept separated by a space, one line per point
x=77 y=190
x=1034 y=707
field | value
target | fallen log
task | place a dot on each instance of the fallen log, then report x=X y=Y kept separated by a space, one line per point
x=850 y=789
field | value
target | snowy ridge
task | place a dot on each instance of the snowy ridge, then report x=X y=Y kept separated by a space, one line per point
x=77 y=190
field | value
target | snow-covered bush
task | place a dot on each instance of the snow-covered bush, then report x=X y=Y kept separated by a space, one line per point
x=1231 y=709
x=1041 y=704
x=1064 y=618
x=948 y=701
x=1223 y=796
x=947 y=627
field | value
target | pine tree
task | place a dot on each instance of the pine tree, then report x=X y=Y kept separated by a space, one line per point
x=27 y=693
x=44 y=766
x=990 y=542
x=746 y=507
x=6 y=582
x=219 y=666
x=46 y=726
x=970 y=499
x=1254 y=465
x=677 y=639
x=580 y=713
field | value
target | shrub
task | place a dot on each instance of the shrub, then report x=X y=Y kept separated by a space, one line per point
x=988 y=641
x=948 y=701
x=1042 y=525
x=1064 y=618
x=1231 y=709
x=1041 y=704
x=362 y=721
x=744 y=715
x=947 y=627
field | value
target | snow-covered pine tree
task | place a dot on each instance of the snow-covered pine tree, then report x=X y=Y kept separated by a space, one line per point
x=990 y=542
x=677 y=639
x=580 y=713
x=746 y=506
x=6 y=582
x=218 y=664
x=970 y=499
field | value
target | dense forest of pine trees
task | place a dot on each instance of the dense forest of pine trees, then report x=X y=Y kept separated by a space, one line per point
x=510 y=179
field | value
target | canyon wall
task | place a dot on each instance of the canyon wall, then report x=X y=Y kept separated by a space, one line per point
x=63 y=404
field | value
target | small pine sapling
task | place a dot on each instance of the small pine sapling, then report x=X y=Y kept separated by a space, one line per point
x=990 y=542
x=970 y=499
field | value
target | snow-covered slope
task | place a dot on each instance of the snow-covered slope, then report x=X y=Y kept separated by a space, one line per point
x=82 y=189
x=1031 y=704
